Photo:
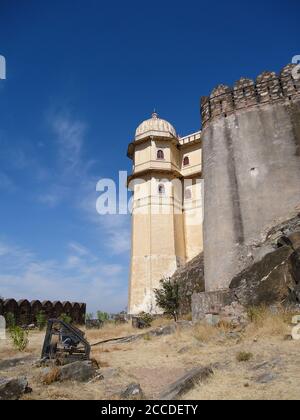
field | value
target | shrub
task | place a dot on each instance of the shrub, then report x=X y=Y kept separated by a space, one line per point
x=102 y=316
x=10 y=320
x=52 y=376
x=65 y=318
x=244 y=356
x=41 y=320
x=19 y=337
x=147 y=319
x=167 y=297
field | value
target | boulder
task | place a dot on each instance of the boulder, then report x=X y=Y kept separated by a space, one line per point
x=77 y=371
x=186 y=383
x=271 y=280
x=132 y=392
x=13 y=388
x=190 y=278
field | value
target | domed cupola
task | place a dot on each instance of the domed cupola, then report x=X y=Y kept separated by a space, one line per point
x=155 y=126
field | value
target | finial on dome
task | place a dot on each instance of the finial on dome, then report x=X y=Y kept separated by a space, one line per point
x=154 y=114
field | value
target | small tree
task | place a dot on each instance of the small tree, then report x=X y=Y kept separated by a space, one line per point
x=167 y=297
x=19 y=337
x=102 y=316
x=41 y=320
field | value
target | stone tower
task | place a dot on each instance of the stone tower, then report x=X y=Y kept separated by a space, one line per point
x=251 y=164
x=165 y=209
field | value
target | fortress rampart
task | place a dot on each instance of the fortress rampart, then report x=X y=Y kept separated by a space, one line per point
x=25 y=312
x=268 y=89
x=251 y=166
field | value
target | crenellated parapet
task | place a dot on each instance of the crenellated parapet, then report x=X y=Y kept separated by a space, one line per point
x=267 y=89
x=26 y=312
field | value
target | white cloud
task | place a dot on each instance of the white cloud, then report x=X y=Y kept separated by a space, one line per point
x=75 y=278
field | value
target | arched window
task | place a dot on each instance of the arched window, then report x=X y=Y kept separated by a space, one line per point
x=161 y=189
x=187 y=194
x=186 y=161
x=160 y=154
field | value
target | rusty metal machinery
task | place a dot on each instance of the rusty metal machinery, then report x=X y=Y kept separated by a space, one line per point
x=64 y=343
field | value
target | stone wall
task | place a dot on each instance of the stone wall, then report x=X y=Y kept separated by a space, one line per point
x=25 y=312
x=251 y=165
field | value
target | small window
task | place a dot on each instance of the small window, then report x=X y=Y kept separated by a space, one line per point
x=187 y=194
x=160 y=154
x=186 y=161
x=161 y=189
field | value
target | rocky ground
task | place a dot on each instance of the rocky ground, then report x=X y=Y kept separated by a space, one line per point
x=270 y=368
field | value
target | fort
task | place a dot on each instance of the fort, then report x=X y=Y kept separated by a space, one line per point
x=247 y=154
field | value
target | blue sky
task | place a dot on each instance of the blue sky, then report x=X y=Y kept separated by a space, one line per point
x=81 y=75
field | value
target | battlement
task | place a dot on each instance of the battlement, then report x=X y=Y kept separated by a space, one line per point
x=26 y=312
x=267 y=89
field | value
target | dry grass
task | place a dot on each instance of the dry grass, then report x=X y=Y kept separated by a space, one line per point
x=267 y=323
x=157 y=362
x=51 y=377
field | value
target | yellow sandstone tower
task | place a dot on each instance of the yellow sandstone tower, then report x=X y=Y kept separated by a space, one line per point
x=166 y=207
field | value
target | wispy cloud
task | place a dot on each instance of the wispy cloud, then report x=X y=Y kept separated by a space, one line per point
x=80 y=276
x=6 y=183
x=70 y=135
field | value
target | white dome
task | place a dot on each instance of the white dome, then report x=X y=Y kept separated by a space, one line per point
x=155 y=126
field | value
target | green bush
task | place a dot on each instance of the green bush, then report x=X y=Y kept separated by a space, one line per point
x=167 y=297
x=10 y=320
x=146 y=318
x=102 y=316
x=244 y=356
x=41 y=320
x=19 y=337
x=65 y=318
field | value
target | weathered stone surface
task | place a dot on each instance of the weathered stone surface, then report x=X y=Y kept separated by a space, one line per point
x=234 y=314
x=190 y=278
x=210 y=303
x=77 y=371
x=265 y=378
x=13 y=362
x=108 y=373
x=132 y=392
x=186 y=383
x=271 y=280
x=13 y=388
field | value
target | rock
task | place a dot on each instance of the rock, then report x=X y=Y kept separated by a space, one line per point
x=184 y=325
x=93 y=324
x=186 y=383
x=265 y=378
x=108 y=373
x=190 y=279
x=288 y=337
x=166 y=330
x=13 y=362
x=234 y=314
x=210 y=303
x=13 y=388
x=184 y=349
x=139 y=323
x=132 y=392
x=212 y=320
x=77 y=371
x=296 y=319
x=269 y=280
